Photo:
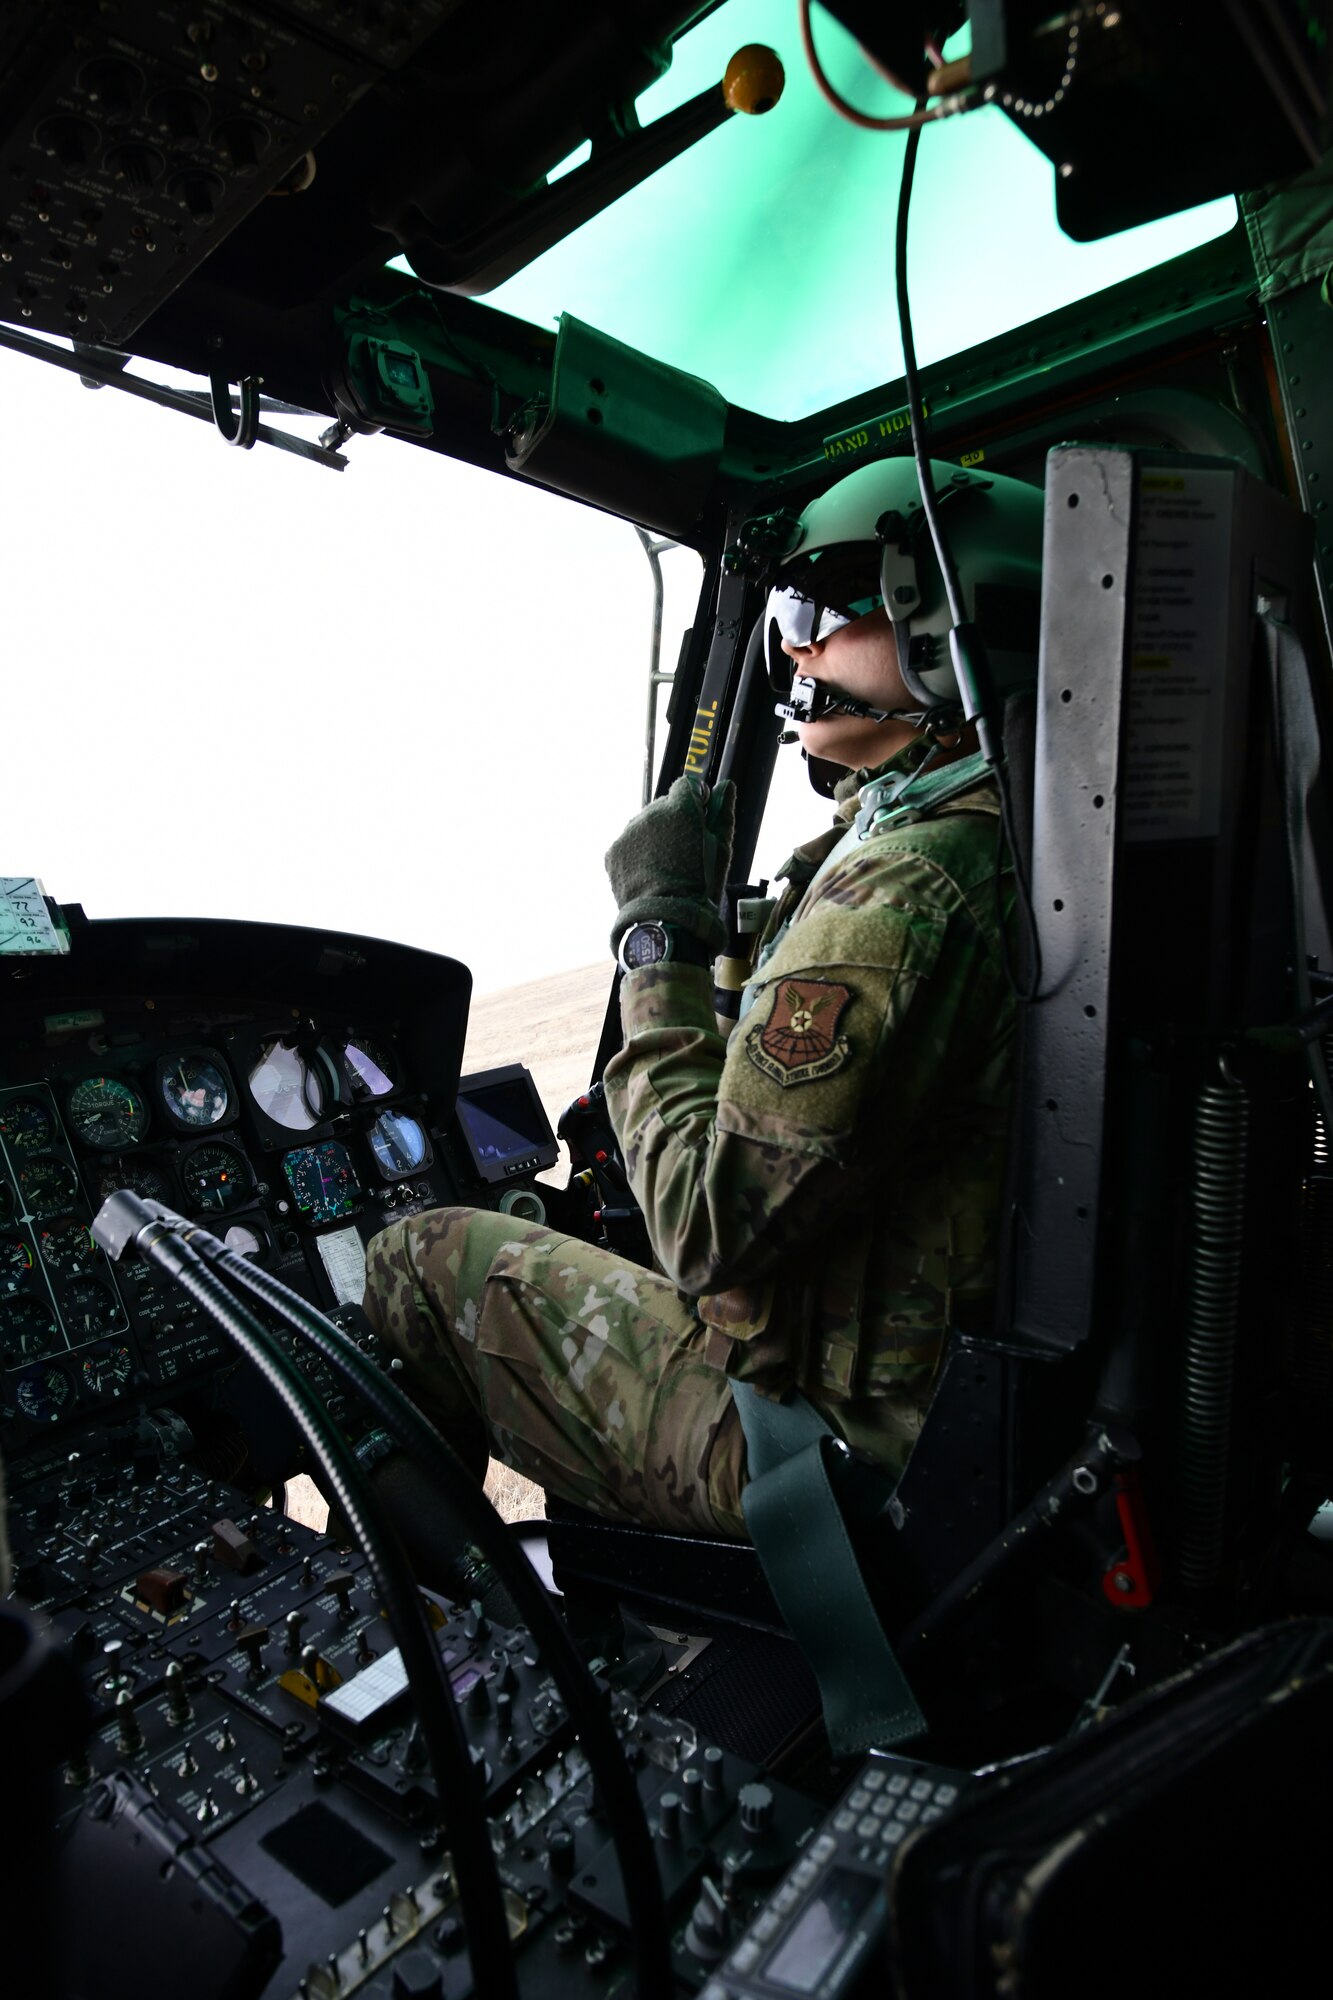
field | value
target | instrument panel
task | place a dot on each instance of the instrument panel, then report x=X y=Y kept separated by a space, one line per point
x=290 y=1122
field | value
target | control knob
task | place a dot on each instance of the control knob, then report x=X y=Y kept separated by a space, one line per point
x=138 y=166
x=183 y=114
x=242 y=142
x=112 y=84
x=73 y=141
x=708 y=1932
x=199 y=191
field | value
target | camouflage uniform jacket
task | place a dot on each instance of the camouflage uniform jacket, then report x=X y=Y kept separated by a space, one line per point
x=825 y=1184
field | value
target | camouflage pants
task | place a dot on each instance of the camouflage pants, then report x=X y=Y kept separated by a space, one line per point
x=587 y=1371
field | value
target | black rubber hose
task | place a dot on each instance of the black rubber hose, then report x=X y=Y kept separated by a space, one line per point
x=456 y=1779
x=583 y=1698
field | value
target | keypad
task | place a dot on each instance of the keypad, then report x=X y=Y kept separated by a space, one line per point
x=888 y=1800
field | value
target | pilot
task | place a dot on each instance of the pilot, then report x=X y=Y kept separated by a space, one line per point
x=821 y=1187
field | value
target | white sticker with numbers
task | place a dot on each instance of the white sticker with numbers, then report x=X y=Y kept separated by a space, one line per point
x=26 y=929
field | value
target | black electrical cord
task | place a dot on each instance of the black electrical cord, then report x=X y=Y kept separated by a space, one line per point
x=583 y=1698
x=970 y=647
x=1031 y=989
x=912 y=383
x=124 y=1220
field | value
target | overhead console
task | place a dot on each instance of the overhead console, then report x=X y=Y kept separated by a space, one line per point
x=135 y=139
x=291 y=1090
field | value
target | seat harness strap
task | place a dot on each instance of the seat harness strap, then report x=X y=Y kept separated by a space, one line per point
x=797 y=1508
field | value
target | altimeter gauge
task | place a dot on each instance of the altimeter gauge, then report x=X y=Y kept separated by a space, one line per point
x=216 y=1178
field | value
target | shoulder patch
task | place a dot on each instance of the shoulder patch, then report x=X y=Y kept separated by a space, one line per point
x=800 y=1041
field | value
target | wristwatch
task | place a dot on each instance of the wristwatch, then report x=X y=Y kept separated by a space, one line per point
x=653 y=944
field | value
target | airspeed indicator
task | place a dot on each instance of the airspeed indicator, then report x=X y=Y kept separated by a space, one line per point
x=106 y=1113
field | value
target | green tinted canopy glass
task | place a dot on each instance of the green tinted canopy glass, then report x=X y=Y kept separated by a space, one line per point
x=762 y=258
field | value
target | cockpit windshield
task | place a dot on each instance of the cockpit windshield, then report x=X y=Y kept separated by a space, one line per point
x=762 y=258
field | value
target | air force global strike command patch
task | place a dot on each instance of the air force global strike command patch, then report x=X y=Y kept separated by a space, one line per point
x=800 y=1041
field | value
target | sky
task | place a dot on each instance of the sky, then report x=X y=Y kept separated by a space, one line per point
x=407 y=699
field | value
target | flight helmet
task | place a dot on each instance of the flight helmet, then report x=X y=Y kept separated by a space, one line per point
x=865 y=542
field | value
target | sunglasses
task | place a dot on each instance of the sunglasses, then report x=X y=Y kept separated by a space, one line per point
x=818 y=597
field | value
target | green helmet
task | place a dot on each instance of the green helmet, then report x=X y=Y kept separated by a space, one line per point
x=865 y=543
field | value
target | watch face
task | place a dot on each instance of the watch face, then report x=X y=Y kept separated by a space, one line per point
x=644 y=945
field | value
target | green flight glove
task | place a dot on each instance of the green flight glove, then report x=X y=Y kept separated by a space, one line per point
x=670 y=864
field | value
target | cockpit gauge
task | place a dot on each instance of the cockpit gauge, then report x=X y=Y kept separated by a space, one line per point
x=245 y=1240
x=45 y=1395
x=67 y=1246
x=148 y=1182
x=399 y=1144
x=105 y=1373
x=216 y=1178
x=90 y=1308
x=106 y=1113
x=323 y=1181
x=27 y=1330
x=15 y=1263
x=26 y=1126
x=287 y=1088
x=46 y=1187
x=195 y=1091
x=372 y=1070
